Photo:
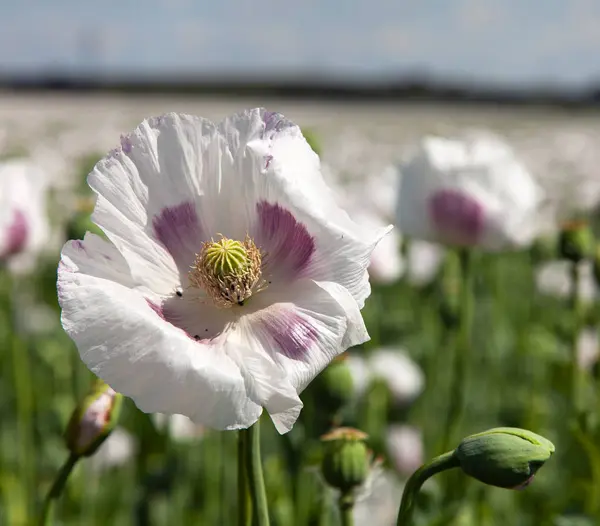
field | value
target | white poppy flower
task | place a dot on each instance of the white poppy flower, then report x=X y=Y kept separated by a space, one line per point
x=23 y=220
x=554 y=279
x=423 y=261
x=387 y=264
x=587 y=348
x=231 y=278
x=468 y=193
x=180 y=427
x=116 y=450
x=403 y=376
x=405 y=447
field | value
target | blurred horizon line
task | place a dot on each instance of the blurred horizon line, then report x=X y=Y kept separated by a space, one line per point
x=415 y=87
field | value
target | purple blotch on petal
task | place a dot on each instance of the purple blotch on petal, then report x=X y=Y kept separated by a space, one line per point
x=126 y=145
x=78 y=244
x=458 y=217
x=268 y=160
x=293 y=334
x=17 y=234
x=167 y=314
x=178 y=229
x=286 y=242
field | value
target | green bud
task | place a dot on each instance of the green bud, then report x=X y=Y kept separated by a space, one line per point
x=346 y=459
x=93 y=420
x=576 y=241
x=506 y=457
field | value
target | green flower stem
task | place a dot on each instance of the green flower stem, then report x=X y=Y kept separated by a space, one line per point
x=346 y=505
x=459 y=382
x=57 y=489
x=576 y=306
x=21 y=369
x=413 y=485
x=244 y=516
x=256 y=483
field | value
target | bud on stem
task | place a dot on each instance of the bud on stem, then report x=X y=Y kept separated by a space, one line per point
x=505 y=457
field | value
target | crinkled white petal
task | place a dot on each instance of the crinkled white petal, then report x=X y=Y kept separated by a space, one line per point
x=287 y=172
x=124 y=342
x=222 y=174
x=290 y=338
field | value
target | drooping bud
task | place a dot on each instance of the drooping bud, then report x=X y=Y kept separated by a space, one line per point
x=576 y=241
x=93 y=420
x=506 y=457
x=346 y=458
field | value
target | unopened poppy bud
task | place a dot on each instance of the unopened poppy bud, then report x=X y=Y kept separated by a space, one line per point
x=346 y=458
x=576 y=241
x=506 y=457
x=93 y=420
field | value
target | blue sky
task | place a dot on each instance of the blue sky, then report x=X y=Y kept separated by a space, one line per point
x=509 y=41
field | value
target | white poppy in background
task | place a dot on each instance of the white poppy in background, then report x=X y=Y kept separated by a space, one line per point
x=180 y=427
x=378 y=504
x=116 y=450
x=468 y=193
x=387 y=264
x=554 y=279
x=403 y=376
x=231 y=278
x=423 y=261
x=405 y=448
x=23 y=221
x=587 y=348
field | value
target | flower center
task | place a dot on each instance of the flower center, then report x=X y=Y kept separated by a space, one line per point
x=228 y=270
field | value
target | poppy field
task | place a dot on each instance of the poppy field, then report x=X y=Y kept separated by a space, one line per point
x=306 y=315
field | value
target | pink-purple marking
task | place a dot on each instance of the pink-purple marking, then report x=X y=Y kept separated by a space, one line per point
x=458 y=217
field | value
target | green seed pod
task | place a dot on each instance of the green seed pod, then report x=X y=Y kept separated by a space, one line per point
x=93 y=420
x=346 y=458
x=506 y=457
x=576 y=241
